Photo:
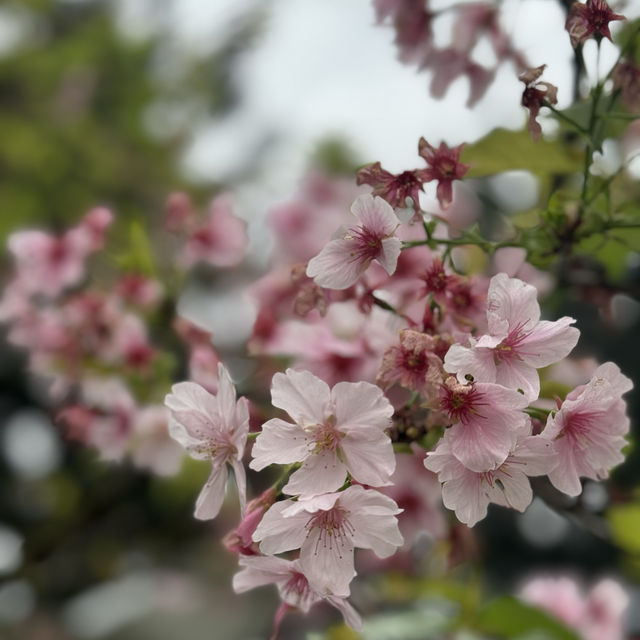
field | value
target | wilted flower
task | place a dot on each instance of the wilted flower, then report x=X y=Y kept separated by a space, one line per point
x=536 y=95
x=444 y=166
x=586 y=19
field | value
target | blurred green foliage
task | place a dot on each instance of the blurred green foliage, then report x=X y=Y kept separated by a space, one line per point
x=76 y=98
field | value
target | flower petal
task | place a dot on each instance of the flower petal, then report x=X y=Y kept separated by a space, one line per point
x=277 y=533
x=279 y=442
x=212 y=495
x=302 y=395
x=320 y=473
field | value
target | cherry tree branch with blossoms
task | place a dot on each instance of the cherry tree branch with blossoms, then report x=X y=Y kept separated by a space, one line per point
x=401 y=379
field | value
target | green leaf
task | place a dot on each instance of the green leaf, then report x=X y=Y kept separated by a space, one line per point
x=625 y=524
x=139 y=255
x=504 y=150
x=508 y=617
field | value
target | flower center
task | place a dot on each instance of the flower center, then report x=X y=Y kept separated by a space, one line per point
x=335 y=529
x=326 y=436
x=367 y=244
x=511 y=346
x=461 y=403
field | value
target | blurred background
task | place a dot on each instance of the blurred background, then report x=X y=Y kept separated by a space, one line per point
x=119 y=103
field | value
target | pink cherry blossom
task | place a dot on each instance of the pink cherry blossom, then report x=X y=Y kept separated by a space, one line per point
x=152 y=446
x=335 y=432
x=48 y=264
x=588 y=431
x=92 y=228
x=596 y=616
x=343 y=260
x=327 y=528
x=220 y=241
x=293 y=587
x=486 y=419
x=469 y=492
x=412 y=363
x=211 y=428
x=518 y=342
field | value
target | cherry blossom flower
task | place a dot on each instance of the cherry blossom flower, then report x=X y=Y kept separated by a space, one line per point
x=327 y=528
x=586 y=19
x=179 y=214
x=413 y=363
x=596 y=616
x=486 y=420
x=293 y=587
x=536 y=94
x=220 y=241
x=588 y=431
x=518 y=342
x=335 y=432
x=93 y=226
x=211 y=428
x=444 y=166
x=469 y=492
x=138 y=290
x=48 y=264
x=153 y=448
x=343 y=260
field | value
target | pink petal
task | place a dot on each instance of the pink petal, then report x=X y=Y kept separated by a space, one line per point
x=279 y=443
x=375 y=214
x=320 y=473
x=369 y=457
x=466 y=497
x=190 y=396
x=226 y=395
x=361 y=403
x=258 y=571
x=511 y=303
x=549 y=342
x=375 y=522
x=388 y=257
x=328 y=564
x=212 y=495
x=483 y=444
x=302 y=395
x=477 y=362
x=511 y=488
x=516 y=374
x=240 y=476
x=350 y=615
x=277 y=533
x=336 y=266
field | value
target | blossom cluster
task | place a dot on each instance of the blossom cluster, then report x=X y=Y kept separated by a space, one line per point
x=393 y=350
x=88 y=326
